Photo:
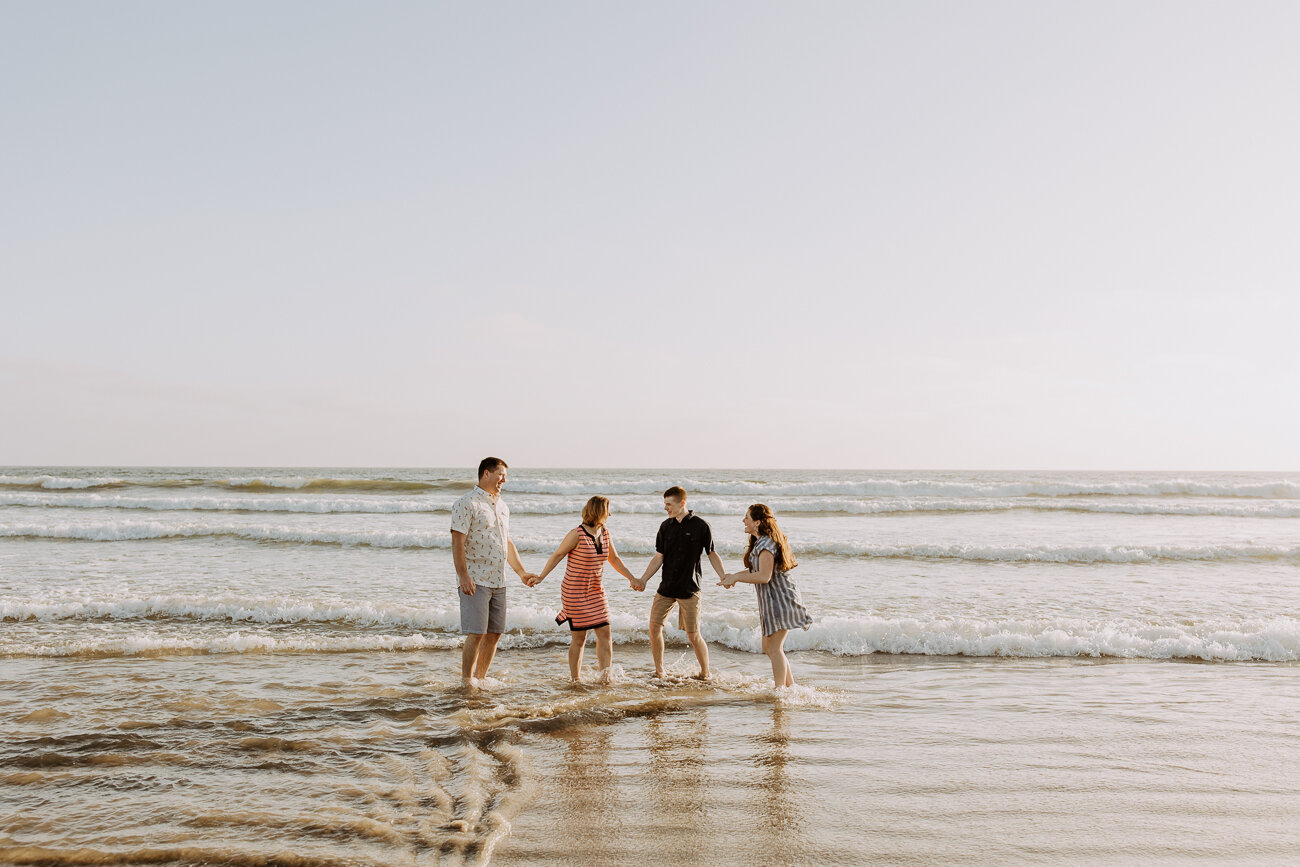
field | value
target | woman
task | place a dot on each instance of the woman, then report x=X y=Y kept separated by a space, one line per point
x=582 y=598
x=768 y=560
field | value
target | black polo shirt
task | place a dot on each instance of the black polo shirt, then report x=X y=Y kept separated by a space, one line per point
x=681 y=543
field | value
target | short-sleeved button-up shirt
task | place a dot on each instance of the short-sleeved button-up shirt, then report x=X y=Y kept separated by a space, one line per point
x=681 y=543
x=486 y=525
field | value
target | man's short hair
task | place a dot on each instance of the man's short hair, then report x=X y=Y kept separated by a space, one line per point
x=487 y=465
x=677 y=493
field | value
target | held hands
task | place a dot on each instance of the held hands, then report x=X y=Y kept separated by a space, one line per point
x=530 y=579
x=729 y=581
x=638 y=586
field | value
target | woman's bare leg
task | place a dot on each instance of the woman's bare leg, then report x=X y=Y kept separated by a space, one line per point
x=774 y=647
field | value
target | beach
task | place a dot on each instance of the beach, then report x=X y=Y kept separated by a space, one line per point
x=261 y=666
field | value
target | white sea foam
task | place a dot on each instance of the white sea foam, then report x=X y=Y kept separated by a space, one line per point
x=370 y=626
x=236 y=609
x=1274 y=640
x=234 y=642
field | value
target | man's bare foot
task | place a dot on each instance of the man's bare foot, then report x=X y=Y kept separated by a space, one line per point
x=469 y=684
x=703 y=675
x=604 y=677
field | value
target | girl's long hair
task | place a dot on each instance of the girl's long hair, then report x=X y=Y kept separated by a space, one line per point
x=596 y=511
x=767 y=526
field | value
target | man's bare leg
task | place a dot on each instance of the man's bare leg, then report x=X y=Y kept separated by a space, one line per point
x=487 y=649
x=468 y=656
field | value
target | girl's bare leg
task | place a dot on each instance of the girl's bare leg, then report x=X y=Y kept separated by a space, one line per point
x=604 y=651
x=577 y=640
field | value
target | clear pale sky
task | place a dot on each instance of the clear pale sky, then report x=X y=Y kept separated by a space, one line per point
x=690 y=234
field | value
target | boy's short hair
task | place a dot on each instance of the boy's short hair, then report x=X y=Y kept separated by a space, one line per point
x=676 y=492
x=487 y=465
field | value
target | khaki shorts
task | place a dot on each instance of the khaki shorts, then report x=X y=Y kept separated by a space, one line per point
x=688 y=611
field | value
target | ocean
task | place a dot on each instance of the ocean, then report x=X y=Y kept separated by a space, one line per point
x=261 y=666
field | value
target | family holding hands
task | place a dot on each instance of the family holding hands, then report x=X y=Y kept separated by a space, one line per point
x=482 y=549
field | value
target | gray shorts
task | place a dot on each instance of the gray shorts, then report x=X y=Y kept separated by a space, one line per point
x=485 y=611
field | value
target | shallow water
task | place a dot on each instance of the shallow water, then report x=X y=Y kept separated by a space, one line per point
x=258 y=666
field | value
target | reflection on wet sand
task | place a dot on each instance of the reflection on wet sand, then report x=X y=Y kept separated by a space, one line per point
x=676 y=774
x=589 y=788
x=782 y=827
x=710 y=782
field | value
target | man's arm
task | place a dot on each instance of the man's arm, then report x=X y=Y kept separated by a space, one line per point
x=716 y=562
x=655 y=562
x=458 y=557
x=512 y=557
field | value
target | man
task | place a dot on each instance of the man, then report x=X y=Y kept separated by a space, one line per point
x=678 y=546
x=481 y=549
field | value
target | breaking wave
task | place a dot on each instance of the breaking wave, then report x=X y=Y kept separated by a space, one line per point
x=370 y=627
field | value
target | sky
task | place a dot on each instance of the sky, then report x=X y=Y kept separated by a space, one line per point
x=930 y=235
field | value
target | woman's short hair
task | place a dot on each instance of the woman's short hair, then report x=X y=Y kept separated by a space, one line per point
x=596 y=511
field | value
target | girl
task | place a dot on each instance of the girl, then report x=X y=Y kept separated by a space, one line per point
x=582 y=598
x=768 y=560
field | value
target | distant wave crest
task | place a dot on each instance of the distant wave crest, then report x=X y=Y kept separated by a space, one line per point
x=291 y=501
x=117 y=531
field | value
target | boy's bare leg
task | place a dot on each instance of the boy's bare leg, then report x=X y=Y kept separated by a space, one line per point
x=657 y=647
x=701 y=653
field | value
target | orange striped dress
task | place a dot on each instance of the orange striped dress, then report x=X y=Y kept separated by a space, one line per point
x=582 y=598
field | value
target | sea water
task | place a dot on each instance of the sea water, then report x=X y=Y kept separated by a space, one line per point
x=262 y=666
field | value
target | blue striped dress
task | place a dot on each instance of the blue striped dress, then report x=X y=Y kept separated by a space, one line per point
x=779 y=604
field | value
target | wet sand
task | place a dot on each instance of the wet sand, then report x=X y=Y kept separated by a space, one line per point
x=382 y=759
